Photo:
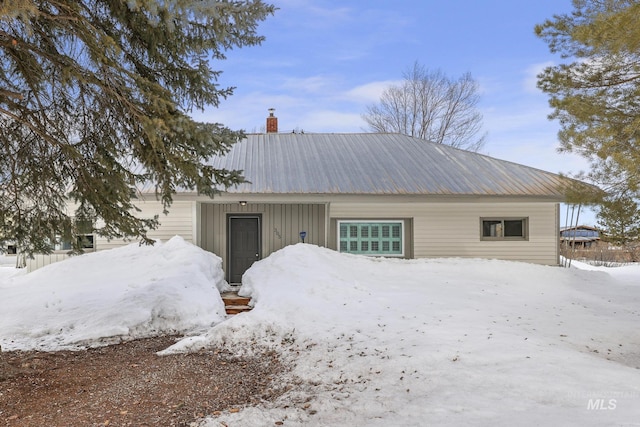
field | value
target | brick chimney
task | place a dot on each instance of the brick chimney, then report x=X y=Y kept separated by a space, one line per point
x=272 y=122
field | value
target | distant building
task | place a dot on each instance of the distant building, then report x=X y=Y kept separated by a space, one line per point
x=581 y=236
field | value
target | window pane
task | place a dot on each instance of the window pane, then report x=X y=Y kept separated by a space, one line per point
x=62 y=244
x=86 y=241
x=371 y=238
x=513 y=228
x=491 y=228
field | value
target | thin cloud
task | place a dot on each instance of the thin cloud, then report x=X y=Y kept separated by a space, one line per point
x=316 y=16
x=330 y=121
x=313 y=84
x=528 y=117
x=530 y=81
x=370 y=92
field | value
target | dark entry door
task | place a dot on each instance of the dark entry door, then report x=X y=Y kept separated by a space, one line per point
x=244 y=245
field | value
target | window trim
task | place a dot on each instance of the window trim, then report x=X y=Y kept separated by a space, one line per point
x=503 y=238
x=402 y=237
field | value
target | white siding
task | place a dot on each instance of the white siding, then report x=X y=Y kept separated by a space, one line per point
x=452 y=229
x=433 y=229
x=178 y=222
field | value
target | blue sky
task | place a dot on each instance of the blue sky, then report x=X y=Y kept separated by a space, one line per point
x=324 y=61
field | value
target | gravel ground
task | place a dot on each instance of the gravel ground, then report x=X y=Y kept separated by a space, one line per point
x=127 y=384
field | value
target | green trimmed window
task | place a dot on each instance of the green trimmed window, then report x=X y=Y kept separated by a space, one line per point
x=371 y=238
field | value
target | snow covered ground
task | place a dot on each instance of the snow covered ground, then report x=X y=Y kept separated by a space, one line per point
x=372 y=342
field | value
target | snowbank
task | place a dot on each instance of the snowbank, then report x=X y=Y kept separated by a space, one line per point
x=378 y=342
x=371 y=342
x=125 y=293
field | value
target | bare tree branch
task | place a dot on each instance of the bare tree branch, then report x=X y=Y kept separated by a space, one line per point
x=429 y=105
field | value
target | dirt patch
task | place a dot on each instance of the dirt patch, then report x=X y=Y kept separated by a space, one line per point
x=127 y=384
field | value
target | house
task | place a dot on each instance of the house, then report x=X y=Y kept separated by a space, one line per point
x=365 y=193
x=581 y=236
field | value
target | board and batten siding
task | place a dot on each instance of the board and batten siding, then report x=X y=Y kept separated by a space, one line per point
x=452 y=229
x=280 y=226
x=179 y=222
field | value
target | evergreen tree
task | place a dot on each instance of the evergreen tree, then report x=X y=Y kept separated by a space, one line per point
x=619 y=217
x=95 y=97
x=596 y=94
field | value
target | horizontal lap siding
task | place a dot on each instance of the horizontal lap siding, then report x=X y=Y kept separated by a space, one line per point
x=179 y=222
x=452 y=229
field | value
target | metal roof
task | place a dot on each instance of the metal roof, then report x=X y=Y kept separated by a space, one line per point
x=376 y=164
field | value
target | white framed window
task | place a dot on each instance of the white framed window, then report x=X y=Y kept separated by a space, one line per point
x=85 y=241
x=371 y=237
x=84 y=237
x=504 y=228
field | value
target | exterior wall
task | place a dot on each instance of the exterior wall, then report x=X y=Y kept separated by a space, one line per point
x=441 y=228
x=281 y=225
x=180 y=221
x=452 y=229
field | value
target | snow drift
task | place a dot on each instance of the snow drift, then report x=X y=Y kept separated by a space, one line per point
x=370 y=341
x=125 y=293
x=378 y=342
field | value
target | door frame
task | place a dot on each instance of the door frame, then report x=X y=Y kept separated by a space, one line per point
x=230 y=218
